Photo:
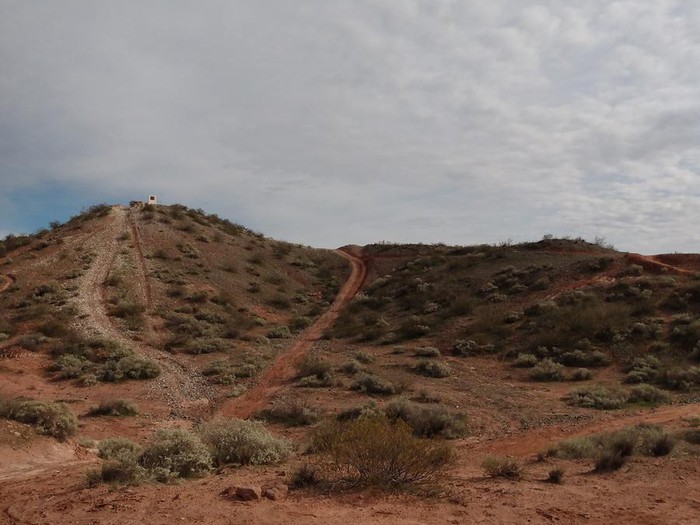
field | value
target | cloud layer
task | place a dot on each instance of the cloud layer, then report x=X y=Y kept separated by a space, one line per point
x=329 y=122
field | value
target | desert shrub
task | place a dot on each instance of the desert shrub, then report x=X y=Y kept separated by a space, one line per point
x=643 y=370
x=691 y=436
x=204 y=346
x=594 y=358
x=234 y=441
x=371 y=384
x=176 y=453
x=315 y=366
x=129 y=367
x=114 y=407
x=581 y=374
x=657 y=443
x=118 y=448
x=502 y=467
x=547 y=370
x=351 y=367
x=70 y=366
x=427 y=351
x=597 y=397
x=609 y=460
x=556 y=475
x=305 y=475
x=368 y=410
x=292 y=413
x=279 y=332
x=644 y=393
x=363 y=357
x=427 y=421
x=431 y=369
x=468 y=347
x=52 y=419
x=575 y=448
x=684 y=379
x=373 y=451
x=526 y=361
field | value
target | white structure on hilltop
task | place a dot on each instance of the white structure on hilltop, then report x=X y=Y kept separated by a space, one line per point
x=152 y=200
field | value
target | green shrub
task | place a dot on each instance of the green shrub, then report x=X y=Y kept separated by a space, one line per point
x=432 y=369
x=304 y=476
x=118 y=448
x=279 y=332
x=314 y=366
x=502 y=467
x=363 y=357
x=234 y=441
x=371 y=384
x=52 y=419
x=597 y=397
x=648 y=394
x=684 y=379
x=373 y=451
x=351 y=367
x=547 y=370
x=581 y=374
x=176 y=453
x=293 y=413
x=427 y=351
x=691 y=436
x=575 y=448
x=427 y=421
x=468 y=347
x=526 y=361
x=114 y=407
x=556 y=475
x=609 y=460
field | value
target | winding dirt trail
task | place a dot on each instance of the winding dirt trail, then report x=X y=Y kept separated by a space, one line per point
x=178 y=385
x=284 y=368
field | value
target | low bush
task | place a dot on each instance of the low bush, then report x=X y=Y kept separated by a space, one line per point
x=176 y=453
x=432 y=369
x=427 y=351
x=526 y=361
x=292 y=413
x=363 y=357
x=581 y=374
x=648 y=394
x=427 y=421
x=52 y=419
x=279 y=332
x=547 y=370
x=114 y=407
x=556 y=475
x=691 y=436
x=371 y=384
x=373 y=451
x=502 y=467
x=313 y=365
x=351 y=367
x=304 y=476
x=597 y=397
x=234 y=441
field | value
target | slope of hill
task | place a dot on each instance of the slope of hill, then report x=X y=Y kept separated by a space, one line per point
x=179 y=318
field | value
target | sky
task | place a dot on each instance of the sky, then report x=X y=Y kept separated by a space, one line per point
x=328 y=122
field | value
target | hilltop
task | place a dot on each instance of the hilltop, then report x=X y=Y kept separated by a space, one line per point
x=186 y=318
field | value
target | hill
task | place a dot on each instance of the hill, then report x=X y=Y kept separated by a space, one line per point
x=178 y=319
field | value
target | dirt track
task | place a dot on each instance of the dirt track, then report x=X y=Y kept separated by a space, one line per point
x=284 y=368
x=179 y=386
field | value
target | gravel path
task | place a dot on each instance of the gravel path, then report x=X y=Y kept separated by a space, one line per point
x=179 y=386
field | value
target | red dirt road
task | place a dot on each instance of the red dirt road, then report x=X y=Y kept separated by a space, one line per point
x=284 y=368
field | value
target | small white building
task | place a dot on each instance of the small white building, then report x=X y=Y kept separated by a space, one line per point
x=152 y=200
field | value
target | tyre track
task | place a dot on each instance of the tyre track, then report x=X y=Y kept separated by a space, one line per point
x=284 y=367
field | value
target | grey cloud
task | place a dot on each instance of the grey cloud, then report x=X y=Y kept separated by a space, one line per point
x=330 y=122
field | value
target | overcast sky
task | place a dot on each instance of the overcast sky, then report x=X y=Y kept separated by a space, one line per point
x=333 y=122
